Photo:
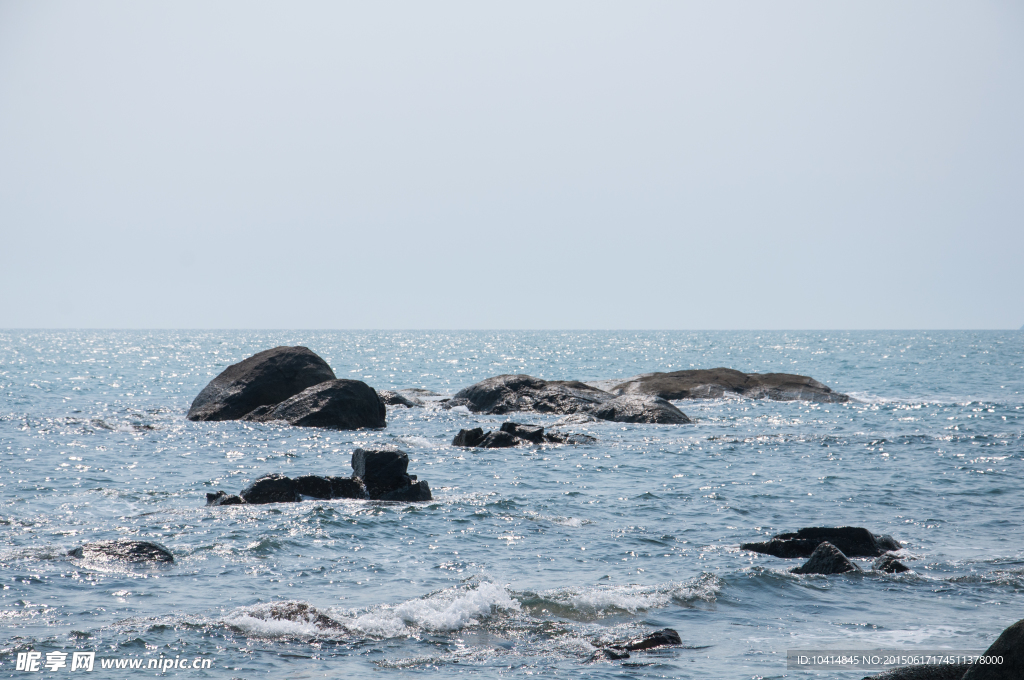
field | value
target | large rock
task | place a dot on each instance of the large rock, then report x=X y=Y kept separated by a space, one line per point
x=853 y=541
x=334 y=404
x=632 y=408
x=511 y=393
x=263 y=379
x=715 y=383
x=383 y=472
x=826 y=559
x=1010 y=646
x=124 y=549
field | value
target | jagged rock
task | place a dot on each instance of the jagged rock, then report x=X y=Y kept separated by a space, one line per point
x=632 y=408
x=468 y=437
x=511 y=393
x=383 y=472
x=266 y=378
x=889 y=564
x=826 y=559
x=930 y=672
x=852 y=541
x=391 y=398
x=1010 y=646
x=715 y=383
x=659 y=638
x=124 y=549
x=222 y=498
x=335 y=404
x=272 y=488
x=530 y=433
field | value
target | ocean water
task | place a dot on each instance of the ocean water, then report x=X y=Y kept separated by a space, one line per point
x=527 y=556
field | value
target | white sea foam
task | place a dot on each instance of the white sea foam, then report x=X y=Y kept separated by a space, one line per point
x=632 y=597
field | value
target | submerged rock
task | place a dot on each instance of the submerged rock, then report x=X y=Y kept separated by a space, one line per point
x=715 y=383
x=889 y=564
x=383 y=473
x=659 y=638
x=852 y=541
x=515 y=434
x=124 y=549
x=826 y=559
x=608 y=654
x=266 y=378
x=634 y=408
x=299 y=612
x=222 y=498
x=391 y=398
x=334 y=404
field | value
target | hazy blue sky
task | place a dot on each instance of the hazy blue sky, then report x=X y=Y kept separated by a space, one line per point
x=512 y=165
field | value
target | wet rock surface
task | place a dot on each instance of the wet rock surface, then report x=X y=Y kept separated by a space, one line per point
x=125 y=550
x=889 y=564
x=513 y=393
x=826 y=559
x=660 y=638
x=715 y=383
x=266 y=378
x=334 y=404
x=852 y=541
x=515 y=434
x=391 y=398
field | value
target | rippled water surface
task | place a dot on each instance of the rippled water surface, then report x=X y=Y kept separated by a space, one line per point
x=527 y=556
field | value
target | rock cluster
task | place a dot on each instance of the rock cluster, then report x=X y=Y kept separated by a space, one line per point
x=290 y=384
x=376 y=475
x=515 y=434
x=511 y=393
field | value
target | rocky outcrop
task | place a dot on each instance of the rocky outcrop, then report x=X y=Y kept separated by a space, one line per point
x=334 y=404
x=1009 y=646
x=826 y=559
x=383 y=473
x=633 y=408
x=515 y=434
x=263 y=379
x=889 y=564
x=715 y=383
x=125 y=550
x=852 y=541
x=512 y=393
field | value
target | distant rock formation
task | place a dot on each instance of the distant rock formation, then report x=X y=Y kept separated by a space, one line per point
x=852 y=541
x=715 y=383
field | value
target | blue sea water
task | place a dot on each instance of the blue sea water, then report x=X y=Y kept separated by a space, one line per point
x=526 y=556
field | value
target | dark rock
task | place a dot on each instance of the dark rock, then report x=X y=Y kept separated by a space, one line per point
x=335 y=404
x=222 y=498
x=512 y=393
x=574 y=439
x=314 y=486
x=889 y=564
x=852 y=541
x=659 y=638
x=634 y=408
x=499 y=440
x=468 y=437
x=608 y=654
x=715 y=383
x=383 y=472
x=272 y=488
x=929 y=672
x=531 y=433
x=1010 y=646
x=397 y=399
x=124 y=549
x=300 y=612
x=263 y=379
x=826 y=559
x=347 y=487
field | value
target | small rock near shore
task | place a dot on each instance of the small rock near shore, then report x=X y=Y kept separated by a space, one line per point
x=826 y=559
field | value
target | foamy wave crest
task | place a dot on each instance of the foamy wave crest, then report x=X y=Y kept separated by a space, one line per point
x=281 y=619
x=592 y=601
x=449 y=609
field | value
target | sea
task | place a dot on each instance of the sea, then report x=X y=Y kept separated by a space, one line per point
x=528 y=559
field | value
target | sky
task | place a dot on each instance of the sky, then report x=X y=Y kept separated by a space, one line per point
x=512 y=165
